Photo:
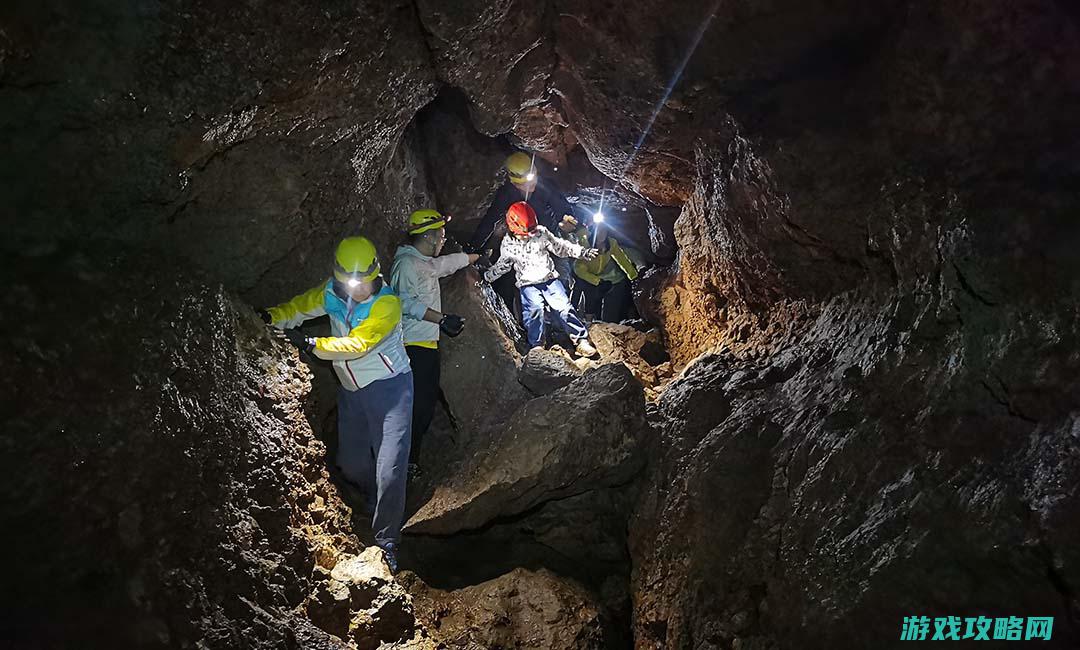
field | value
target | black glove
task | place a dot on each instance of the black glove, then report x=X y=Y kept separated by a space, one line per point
x=469 y=248
x=265 y=316
x=483 y=263
x=297 y=338
x=451 y=325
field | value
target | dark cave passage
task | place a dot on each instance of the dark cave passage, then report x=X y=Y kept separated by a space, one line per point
x=841 y=393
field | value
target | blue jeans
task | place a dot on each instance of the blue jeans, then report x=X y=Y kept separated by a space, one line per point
x=374 y=435
x=553 y=293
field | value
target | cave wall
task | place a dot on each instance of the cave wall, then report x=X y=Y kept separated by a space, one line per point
x=875 y=239
x=162 y=484
x=888 y=425
x=239 y=141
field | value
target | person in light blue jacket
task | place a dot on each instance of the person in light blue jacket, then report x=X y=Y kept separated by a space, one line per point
x=415 y=274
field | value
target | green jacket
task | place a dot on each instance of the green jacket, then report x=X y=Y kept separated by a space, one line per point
x=601 y=268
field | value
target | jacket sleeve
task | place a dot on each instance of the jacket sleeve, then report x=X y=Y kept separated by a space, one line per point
x=384 y=317
x=403 y=279
x=310 y=304
x=581 y=269
x=635 y=256
x=561 y=247
x=447 y=264
x=500 y=268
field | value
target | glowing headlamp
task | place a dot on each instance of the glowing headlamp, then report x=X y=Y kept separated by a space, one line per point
x=598 y=217
x=531 y=176
x=353 y=283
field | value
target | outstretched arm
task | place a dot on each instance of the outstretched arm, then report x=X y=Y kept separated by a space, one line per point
x=453 y=262
x=499 y=269
x=307 y=305
x=561 y=247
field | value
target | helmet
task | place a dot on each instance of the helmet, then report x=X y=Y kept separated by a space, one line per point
x=520 y=167
x=422 y=221
x=521 y=218
x=356 y=259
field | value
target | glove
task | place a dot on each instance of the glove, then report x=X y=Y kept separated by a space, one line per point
x=470 y=249
x=297 y=338
x=265 y=316
x=590 y=254
x=452 y=325
x=484 y=263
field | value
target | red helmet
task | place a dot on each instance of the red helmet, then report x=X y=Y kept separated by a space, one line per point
x=521 y=218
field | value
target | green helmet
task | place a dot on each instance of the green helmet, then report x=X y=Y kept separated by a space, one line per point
x=520 y=167
x=356 y=259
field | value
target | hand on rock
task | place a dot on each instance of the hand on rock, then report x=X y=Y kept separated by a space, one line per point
x=297 y=339
x=451 y=325
x=483 y=263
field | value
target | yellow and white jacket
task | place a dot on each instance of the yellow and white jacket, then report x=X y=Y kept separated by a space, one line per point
x=366 y=345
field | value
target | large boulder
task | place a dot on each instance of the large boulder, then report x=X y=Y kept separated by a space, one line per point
x=586 y=435
x=545 y=371
x=522 y=609
x=479 y=367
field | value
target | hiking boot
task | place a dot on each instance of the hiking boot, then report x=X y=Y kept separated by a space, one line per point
x=390 y=555
x=586 y=349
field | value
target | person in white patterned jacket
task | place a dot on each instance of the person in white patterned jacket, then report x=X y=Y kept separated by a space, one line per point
x=529 y=251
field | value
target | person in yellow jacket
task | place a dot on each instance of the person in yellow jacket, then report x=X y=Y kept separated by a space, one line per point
x=375 y=398
x=603 y=283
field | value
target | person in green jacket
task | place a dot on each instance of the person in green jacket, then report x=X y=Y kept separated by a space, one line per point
x=603 y=283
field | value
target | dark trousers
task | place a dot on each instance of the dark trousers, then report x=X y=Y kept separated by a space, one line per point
x=374 y=425
x=610 y=302
x=425 y=370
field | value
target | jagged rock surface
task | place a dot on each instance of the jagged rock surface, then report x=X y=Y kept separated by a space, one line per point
x=162 y=484
x=587 y=435
x=856 y=477
x=886 y=423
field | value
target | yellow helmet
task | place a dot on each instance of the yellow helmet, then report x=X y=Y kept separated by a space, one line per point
x=356 y=259
x=520 y=167
x=422 y=221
